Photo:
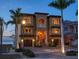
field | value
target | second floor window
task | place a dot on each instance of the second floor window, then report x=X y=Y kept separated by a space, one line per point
x=55 y=21
x=55 y=30
x=27 y=30
x=28 y=20
x=41 y=21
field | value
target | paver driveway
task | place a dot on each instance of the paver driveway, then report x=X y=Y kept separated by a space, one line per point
x=50 y=53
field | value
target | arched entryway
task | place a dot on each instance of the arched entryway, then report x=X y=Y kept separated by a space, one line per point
x=41 y=37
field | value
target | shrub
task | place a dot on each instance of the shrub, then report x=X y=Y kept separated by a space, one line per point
x=71 y=53
x=28 y=53
x=19 y=50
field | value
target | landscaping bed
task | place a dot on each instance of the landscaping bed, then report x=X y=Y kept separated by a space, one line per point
x=26 y=52
x=72 y=53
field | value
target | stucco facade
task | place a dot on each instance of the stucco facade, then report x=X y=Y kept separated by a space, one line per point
x=40 y=29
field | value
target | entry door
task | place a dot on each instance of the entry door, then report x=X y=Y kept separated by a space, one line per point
x=41 y=37
x=28 y=43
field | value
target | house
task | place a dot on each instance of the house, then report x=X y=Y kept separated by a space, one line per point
x=39 y=29
x=42 y=29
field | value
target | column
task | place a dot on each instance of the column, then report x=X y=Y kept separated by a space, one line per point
x=18 y=33
x=46 y=41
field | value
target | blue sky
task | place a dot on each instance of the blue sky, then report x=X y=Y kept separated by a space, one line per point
x=31 y=6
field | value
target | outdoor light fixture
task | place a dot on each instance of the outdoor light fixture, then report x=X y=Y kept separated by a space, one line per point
x=63 y=51
x=22 y=40
x=23 y=22
x=33 y=41
x=52 y=40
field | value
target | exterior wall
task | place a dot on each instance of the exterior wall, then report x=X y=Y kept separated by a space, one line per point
x=46 y=27
x=54 y=37
x=27 y=36
x=41 y=27
x=51 y=30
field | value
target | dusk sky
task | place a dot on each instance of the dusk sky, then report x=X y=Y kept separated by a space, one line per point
x=32 y=6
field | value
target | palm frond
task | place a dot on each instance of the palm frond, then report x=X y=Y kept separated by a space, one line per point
x=12 y=12
x=61 y=4
x=18 y=11
x=2 y=21
x=70 y=2
x=77 y=12
x=10 y=22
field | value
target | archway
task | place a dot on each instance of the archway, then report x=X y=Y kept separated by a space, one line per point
x=41 y=35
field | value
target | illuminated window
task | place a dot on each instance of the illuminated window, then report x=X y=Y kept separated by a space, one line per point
x=28 y=20
x=24 y=18
x=55 y=21
x=28 y=30
x=41 y=21
x=55 y=30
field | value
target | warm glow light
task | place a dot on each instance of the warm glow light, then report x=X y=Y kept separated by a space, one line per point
x=23 y=22
x=33 y=40
x=41 y=35
x=56 y=21
x=52 y=40
x=56 y=31
x=63 y=51
x=22 y=40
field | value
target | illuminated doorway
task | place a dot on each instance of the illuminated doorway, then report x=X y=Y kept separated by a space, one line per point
x=41 y=36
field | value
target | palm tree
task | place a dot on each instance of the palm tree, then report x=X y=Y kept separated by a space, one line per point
x=2 y=22
x=61 y=5
x=77 y=12
x=15 y=15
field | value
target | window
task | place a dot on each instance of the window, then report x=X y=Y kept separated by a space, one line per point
x=28 y=30
x=55 y=30
x=55 y=21
x=41 y=21
x=27 y=19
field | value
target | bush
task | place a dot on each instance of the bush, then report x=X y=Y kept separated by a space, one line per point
x=71 y=53
x=19 y=50
x=28 y=53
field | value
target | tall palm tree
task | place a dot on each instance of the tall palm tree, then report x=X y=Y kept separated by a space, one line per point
x=77 y=12
x=61 y=5
x=2 y=22
x=15 y=15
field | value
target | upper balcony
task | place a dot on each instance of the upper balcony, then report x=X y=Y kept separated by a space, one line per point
x=54 y=21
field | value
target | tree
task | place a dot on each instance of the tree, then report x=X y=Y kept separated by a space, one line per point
x=61 y=5
x=15 y=15
x=2 y=22
x=77 y=12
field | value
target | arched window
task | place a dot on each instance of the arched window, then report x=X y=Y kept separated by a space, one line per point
x=41 y=21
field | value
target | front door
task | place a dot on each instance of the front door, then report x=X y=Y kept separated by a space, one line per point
x=28 y=43
x=41 y=36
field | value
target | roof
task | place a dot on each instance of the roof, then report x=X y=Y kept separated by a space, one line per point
x=23 y=14
x=41 y=13
x=70 y=22
x=54 y=16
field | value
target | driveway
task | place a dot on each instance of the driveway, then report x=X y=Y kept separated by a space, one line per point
x=50 y=53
